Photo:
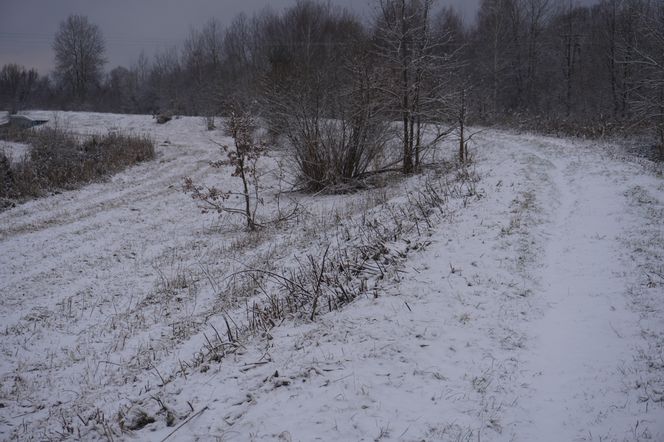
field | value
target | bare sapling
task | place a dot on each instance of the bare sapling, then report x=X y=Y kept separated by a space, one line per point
x=460 y=114
x=243 y=156
x=463 y=143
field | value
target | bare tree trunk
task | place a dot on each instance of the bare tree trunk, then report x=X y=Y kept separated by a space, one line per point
x=462 y=126
x=249 y=214
x=571 y=45
x=660 y=128
x=418 y=141
x=407 y=139
x=612 y=35
x=415 y=118
x=495 y=74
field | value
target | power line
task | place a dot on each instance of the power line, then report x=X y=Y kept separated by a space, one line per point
x=20 y=37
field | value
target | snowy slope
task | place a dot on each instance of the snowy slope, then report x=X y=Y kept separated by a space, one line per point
x=534 y=313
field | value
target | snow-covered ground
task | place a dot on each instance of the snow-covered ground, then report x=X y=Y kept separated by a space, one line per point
x=534 y=313
x=14 y=151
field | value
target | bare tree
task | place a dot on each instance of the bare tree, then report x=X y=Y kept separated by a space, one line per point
x=143 y=94
x=79 y=55
x=168 y=81
x=571 y=40
x=245 y=59
x=201 y=62
x=16 y=86
x=415 y=64
x=609 y=40
x=120 y=90
x=648 y=57
x=491 y=44
x=536 y=14
x=243 y=156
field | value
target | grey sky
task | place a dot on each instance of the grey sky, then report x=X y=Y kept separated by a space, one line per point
x=129 y=26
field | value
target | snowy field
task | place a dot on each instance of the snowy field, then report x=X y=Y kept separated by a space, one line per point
x=528 y=306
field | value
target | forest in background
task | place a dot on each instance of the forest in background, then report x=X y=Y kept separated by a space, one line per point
x=548 y=65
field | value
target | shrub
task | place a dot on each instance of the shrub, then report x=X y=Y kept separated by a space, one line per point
x=335 y=138
x=242 y=157
x=334 y=154
x=6 y=175
x=13 y=133
x=59 y=160
x=163 y=117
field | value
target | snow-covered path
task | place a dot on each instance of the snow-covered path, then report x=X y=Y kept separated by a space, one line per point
x=588 y=334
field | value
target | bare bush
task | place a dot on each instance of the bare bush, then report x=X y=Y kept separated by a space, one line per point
x=243 y=156
x=326 y=103
x=336 y=133
x=334 y=154
x=6 y=175
x=59 y=160
x=163 y=117
x=14 y=133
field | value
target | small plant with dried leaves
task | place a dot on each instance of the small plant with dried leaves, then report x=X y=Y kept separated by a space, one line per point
x=243 y=156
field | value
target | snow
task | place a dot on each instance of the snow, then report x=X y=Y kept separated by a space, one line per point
x=533 y=312
x=573 y=344
x=14 y=151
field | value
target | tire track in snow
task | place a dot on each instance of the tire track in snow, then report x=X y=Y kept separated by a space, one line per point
x=139 y=185
x=72 y=264
x=575 y=388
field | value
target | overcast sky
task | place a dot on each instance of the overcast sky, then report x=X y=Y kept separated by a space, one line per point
x=129 y=26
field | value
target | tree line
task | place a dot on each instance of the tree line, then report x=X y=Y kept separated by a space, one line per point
x=315 y=70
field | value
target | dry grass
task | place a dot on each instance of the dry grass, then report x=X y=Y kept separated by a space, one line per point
x=361 y=252
x=58 y=160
